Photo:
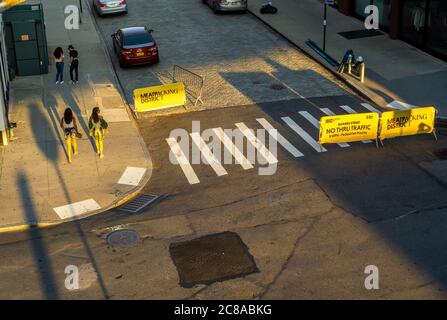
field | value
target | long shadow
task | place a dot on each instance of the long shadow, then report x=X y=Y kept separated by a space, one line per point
x=380 y=186
x=43 y=263
x=44 y=142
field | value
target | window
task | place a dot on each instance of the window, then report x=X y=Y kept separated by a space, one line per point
x=137 y=39
x=437 y=27
x=414 y=21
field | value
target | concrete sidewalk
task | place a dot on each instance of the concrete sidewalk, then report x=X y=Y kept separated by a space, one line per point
x=37 y=185
x=396 y=71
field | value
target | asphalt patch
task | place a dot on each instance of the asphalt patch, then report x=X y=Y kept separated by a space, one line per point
x=212 y=258
x=357 y=34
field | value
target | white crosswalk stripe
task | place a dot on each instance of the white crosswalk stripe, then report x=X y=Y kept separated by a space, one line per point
x=182 y=161
x=207 y=154
x=256 y=141
x=348 y=109
x=281 y=140
x=231 y=147
x=303 y=134
x=251 y=138
x=399 y=105
x=316 y=124
x=370 y=108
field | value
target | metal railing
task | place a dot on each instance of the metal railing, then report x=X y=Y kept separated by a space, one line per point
x=192 y=81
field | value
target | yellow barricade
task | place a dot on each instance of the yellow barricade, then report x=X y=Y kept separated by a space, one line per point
x=407 y=122
x=159 y=97
x=349 y=127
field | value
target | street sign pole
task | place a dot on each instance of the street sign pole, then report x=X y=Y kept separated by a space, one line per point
x=324 y=27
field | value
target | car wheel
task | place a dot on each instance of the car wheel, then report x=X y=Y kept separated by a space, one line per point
x=204 y=1
x=216 y=8
x=122 y=64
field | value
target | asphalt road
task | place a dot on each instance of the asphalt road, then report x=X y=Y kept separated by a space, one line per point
x=311 y=228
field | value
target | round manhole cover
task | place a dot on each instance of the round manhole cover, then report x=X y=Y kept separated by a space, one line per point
x=123 y=238
x=277 y=86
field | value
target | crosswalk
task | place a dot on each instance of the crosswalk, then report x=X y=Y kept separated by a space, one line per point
x=302 y=124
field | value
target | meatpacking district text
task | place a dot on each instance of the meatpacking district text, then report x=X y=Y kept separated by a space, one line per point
x=156 y=95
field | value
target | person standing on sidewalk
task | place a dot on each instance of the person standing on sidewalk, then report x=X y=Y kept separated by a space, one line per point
x=59 y=59
x=70 y=127
x=74 y=63
x=98 y=126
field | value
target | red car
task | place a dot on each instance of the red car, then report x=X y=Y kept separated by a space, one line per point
x=135 y=46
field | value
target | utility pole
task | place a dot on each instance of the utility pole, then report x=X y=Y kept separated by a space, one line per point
x=326 y=2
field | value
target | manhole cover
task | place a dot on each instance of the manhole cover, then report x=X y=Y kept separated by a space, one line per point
x=277 y=86
x=363 y=33
x=138 y=203
x=123 y=238
x=212 y=258
x=440 y=153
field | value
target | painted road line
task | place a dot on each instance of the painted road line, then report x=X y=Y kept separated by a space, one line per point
x=76 y=209
x=399 y=105
x=263 y=151
x=370 y=108
x=303 y=134
x=316 y=124
x=132 y=176
x=182 y=161
x=207 y=154
x=348 y=109
x=231 y=147
x=282 y=141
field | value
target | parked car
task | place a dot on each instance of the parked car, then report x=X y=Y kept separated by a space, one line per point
x=103 y=7
x=226 y=5
x=135 y=46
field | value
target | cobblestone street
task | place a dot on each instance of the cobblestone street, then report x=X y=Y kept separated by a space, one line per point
x=241 y=60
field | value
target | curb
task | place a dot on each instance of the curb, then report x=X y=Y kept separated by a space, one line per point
x=130 y=194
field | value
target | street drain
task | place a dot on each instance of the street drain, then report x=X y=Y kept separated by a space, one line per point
x=277 y=86
x=440 y=153
x=212 y=258
x=123 y=238
x=138 y=203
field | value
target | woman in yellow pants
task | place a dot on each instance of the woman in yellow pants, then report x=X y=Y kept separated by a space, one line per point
x=97 y=126
x=70 y=127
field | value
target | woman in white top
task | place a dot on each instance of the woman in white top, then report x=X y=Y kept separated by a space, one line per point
x=70 y=127
x=59 y=59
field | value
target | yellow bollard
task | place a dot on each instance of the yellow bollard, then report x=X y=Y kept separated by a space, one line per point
x=11 y=134
x=362 y=72
x=4 y=138
x=349 y=64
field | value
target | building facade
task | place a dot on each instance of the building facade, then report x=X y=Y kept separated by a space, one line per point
x=4 y=84
x=422 y=23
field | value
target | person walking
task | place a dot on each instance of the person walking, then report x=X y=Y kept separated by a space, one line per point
x=59 y=59
x=74 y=64
x=98 y=126
x=70 y=127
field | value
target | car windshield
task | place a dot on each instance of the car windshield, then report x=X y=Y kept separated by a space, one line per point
x=138 y=39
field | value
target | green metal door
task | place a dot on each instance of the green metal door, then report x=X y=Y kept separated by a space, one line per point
x=26 y=48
